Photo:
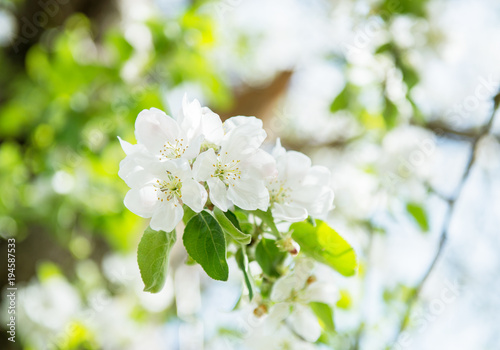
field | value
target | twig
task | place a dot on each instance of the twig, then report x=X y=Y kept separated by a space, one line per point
x=446 y=225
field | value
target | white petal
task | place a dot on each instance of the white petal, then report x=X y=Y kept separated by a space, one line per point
x=153 y=128
x=318 y=200
x=297 y=166
x=193 y=148
x=203 y=167
x=305 y=323
x=283 y=288
x=190 y=117
x=127 y=147
x=194 y=195
x=166 y=217
x=133 y=174
x=278 y=150
x=142 y=201
x=239 y=120
x=279 y=312
x=289 y=213
x=245 y=138
x=302 y=271
x=178 y=167
x=249 y=194
x=218 y=194
x=321 y=292
x=263 y=162
x=318 y=175
x=211 y=126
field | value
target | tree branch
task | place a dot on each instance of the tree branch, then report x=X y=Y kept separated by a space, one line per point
x=446 y=225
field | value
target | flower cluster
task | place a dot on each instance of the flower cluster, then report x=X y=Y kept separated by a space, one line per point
x=195 y=157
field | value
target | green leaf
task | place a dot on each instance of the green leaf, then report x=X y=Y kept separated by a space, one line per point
x=390 y=113
x=268 y=219
x=419 y=215
x=230 y=225
x=152 y=257
x=188 y=214
x=341 y=101
x=245 y=225
x=325 y=315
x=269 y=256
x=324 y=244
x=205 y=242
x=242 y=260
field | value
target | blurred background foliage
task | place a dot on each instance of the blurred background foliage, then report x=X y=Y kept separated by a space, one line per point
x=74 y=79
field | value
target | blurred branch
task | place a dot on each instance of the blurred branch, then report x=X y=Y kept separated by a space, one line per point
x=259 y=101
x=447 y=221
x=300 y=145
x=440 y=128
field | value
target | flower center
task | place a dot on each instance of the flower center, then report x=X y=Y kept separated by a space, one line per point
x=227 y=172
x=169 y=188
x=173 y=149
x=278 y=193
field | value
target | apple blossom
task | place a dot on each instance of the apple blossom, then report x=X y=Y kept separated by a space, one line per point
x=235 y=174
x=158 y=191
x=299 y=189
x=169 y=138
x=292 y=294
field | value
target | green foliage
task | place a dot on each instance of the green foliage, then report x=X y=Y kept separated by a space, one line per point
x=325 y=315
x=390 y=113
x=324 y=244
x=416 y=8
x=267 y=218
x=269 y=257
x=342 y=100
x=418 y=213
x=205 y=243
x=229 y=223
x=242 y=261
x=152 y=256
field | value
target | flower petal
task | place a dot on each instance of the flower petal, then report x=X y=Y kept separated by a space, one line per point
x=296 y=166
x=194 y=195
x=318 y=200
x=305 y=323
x=321 y=292
x=127 y=147
x=249 y=194
x=166 y=217
x=263 y=162
x=279 y=312
x=193 y=147
x=133 y=174
x=218 y=193
x=283 y=288
x=203 y=167
x=289 y=213
x=318 y=175
x=142 y=201
x=153 y=128
x=245 y=137
x=278 y=150
x=211 y=126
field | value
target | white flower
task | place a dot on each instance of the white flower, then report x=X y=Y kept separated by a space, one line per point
x=235 y=174
x=158 y=190
x=169 y=138
x=197 y=120
x=299 y=189
x=294 y=292
x=275 y=337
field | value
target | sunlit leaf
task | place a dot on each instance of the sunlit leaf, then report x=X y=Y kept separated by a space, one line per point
x=152 y=257
x=324 y=244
